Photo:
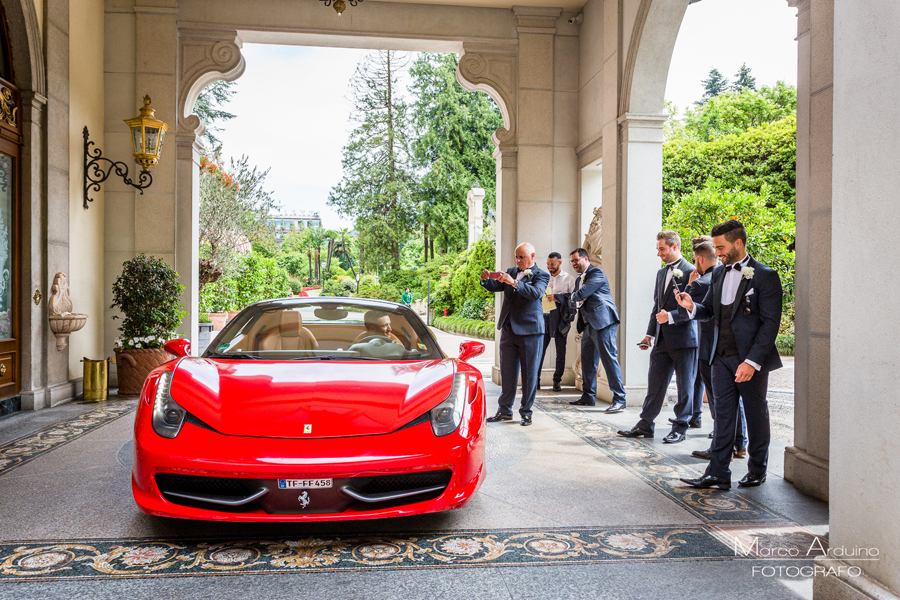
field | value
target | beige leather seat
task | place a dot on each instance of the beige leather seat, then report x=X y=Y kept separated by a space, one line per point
x=290 y=334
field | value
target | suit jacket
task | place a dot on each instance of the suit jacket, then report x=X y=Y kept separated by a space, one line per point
x=755 y=332
x=706 y=329
x=521 y=307
x=561 y=318
x=682 y=332
x=598 y=308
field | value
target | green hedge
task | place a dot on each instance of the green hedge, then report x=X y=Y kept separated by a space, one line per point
x=785 y=344
x=470 y=327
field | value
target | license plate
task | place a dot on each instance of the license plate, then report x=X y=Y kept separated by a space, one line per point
x=303 y=484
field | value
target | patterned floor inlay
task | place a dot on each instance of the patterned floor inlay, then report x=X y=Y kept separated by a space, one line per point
x=18 y=452
x=659 y=470
x=101 y=559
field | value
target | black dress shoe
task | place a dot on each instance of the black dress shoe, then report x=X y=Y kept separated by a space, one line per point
x=708 y=481
x=704 y=454
x=695 y=424
x=674 y=437
x=557 y=387
x=710 y=436
x=752 y=479
x=499 y=417
x=740 y=452
x=615 y=407
x=538 y=386
x=584 y=402
x=635 y=432
x=525 y=422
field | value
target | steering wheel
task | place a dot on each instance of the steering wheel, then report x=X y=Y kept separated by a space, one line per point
x=376 y=339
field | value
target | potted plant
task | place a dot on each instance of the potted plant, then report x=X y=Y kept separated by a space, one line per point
x=147 y=295
x=205 y=334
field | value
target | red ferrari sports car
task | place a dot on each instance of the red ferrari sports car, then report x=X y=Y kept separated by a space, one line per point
x=308 y=409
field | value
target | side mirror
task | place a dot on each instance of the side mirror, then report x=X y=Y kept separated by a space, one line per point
x=469 y=350
x=178 y=347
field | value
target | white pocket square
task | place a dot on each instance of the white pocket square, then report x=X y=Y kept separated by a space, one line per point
x=750 y=292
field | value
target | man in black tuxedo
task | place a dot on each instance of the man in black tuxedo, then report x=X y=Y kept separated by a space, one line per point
x=674 y=339
x=598 y=321
x=744 y=302
x=704 y=261
x=521 y=326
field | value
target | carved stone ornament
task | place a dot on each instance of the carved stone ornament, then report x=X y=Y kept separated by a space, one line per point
x=8 y=108
x=593 y=243
x=62 y=320
x=493 y=68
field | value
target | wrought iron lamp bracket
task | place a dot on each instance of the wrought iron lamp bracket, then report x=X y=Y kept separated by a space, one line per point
x=94 y=174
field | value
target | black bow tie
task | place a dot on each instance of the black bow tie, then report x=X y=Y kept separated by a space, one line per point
x=735 y=266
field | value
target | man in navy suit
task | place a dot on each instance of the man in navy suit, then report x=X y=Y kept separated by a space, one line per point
x=521 y=326
x=744 y=302
x=674 y=339
x=598 y=321
x=704 y=261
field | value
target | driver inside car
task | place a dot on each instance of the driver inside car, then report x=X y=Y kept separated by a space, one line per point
x=377 y=323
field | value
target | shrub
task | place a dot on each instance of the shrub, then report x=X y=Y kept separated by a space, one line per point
x=466 y=278
x=260 y=278
x=475 y=328
x=147 y=295
x=204 y=318
x=785 y=344
x=333 y=287
x=218 y=296
x=770 y=226
x=473 y=308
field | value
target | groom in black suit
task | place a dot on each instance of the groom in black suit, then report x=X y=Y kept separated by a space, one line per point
x=674 y=339
x=521 y=326
x=598 y=321
x=744 y=301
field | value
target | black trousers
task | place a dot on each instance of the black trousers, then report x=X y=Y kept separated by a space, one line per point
x=551 y=331
x=664 y=363
x=728 y=399
x=518 y=352
x=703 y=381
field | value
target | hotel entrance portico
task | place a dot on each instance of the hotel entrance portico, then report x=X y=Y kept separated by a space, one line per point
x=580 y=84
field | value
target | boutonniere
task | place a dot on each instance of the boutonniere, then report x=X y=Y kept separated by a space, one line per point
x=677 y=273
x=526 y=273
x=747 y=272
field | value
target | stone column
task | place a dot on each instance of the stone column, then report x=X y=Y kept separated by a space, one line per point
x=864 y=473
x=806 y=462
x=639 y=210
x=475 y=202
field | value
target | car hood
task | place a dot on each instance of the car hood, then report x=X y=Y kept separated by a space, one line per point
x=309 y=399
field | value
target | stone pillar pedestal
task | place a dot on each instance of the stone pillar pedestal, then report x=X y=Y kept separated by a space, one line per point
x=640 y=210
x=806 y=462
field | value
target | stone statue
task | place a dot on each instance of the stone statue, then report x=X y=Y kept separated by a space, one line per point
x=60 y=303
x=593 y=243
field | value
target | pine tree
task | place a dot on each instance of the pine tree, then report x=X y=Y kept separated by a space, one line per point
x=744 y=80
x=207 y=108
x=714 y=85
x=378 y=187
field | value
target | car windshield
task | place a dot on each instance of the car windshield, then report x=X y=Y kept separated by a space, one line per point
x=316 y=329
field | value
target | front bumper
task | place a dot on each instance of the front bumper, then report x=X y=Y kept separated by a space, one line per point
x=253 y=464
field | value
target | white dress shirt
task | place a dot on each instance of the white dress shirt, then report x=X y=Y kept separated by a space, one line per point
x=561 y=284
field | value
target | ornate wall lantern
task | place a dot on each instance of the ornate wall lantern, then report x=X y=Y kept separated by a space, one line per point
x=340 y=5
x=146 y=139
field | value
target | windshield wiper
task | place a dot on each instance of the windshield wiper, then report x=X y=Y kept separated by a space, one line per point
x=336 y=357
x=238 y=355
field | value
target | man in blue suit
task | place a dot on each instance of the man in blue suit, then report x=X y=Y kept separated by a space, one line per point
x=598 y=321
x=521 y=326
x=744 y=301
x=674 y=339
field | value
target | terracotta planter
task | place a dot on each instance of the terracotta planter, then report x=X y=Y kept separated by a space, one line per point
x=232 y=314
x=218 y=320
x=133 y=366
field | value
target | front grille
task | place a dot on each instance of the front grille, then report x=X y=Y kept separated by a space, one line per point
x=382 y=484
x=213 y=486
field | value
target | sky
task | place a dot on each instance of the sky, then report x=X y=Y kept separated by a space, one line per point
x=293 y=109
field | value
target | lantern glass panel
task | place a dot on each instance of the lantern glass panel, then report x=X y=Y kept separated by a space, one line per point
x=136 y=140
x=162 y=132
x=152 y=139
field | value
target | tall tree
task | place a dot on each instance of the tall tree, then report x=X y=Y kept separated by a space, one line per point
x=744 y=80
x=378 y=187
x=207 y=107
x=453 y=148
x=714 y=85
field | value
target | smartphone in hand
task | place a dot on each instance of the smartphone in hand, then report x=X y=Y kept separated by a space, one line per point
x=495 y=275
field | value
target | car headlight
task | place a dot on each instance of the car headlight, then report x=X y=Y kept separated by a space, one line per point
x=168 y=415
x=446 y=416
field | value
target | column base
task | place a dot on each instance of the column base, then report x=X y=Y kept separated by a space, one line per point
x=808 y=473
x=842 y=581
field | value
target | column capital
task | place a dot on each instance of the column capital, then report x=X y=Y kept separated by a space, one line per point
x=204 y=56
x=642 y=128
x=534 y=19
x=804 y=23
